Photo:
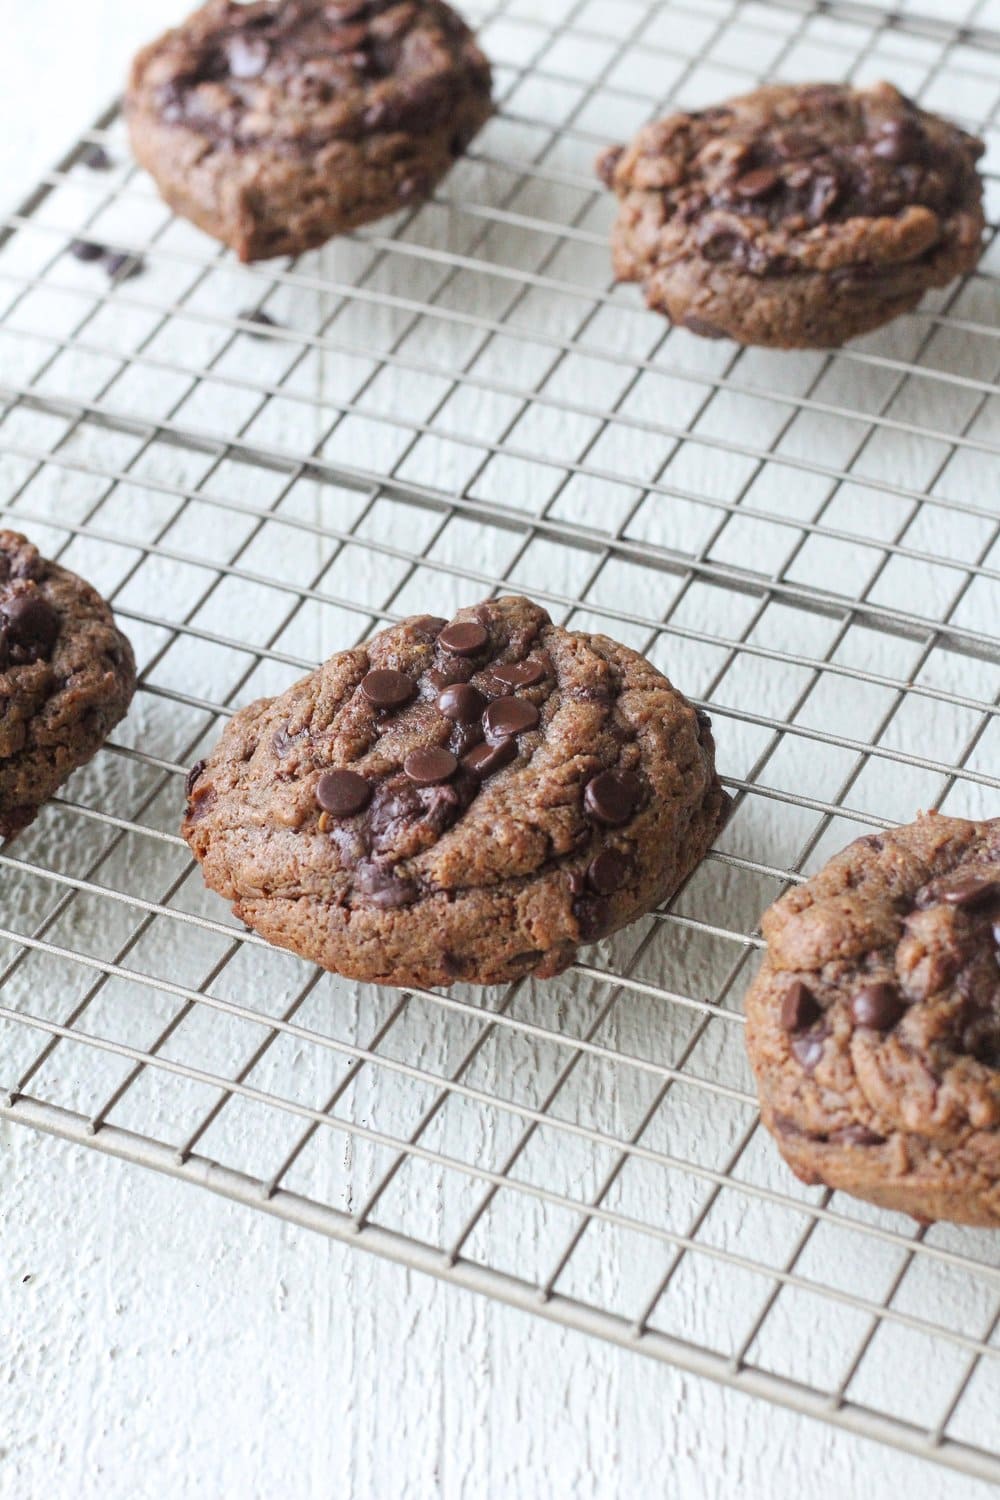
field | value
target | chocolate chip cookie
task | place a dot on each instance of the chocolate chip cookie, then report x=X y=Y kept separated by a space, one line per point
x=458 y=801
x=67 y=676
x=874 y=1024
x=796 y=216
x=276 y=124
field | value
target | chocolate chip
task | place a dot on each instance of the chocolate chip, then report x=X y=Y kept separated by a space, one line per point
x=519 y=673
x=431 y=766
x=899 y=141
x=879 y=1006
x=427 y=627
x=464 y=637
x=757 y=184
x=192 y=776
x=342 y=793
x=798 y=1007
x=720 y=246
x=385 y=688
x=462 y=703
x=808 y=1049
x=385 y=889
x=825 y=192
x=97 y=159
x=456 y=671
x=86 y=250
x=611 y=797
x=247 y=56
x=485 y=759
x=608 y=871
x=793 y=145
x=31 y=621
x=508 y=716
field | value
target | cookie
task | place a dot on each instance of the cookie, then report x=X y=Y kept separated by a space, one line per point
x=67 y=676
x=796 y=216
x=874 y=1025
x=468 y=800
x=277 y=124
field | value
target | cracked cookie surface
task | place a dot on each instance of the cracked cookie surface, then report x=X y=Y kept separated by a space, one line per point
x=798 y=215
x=458 y=801
x=67 y=676
x=277 y=124
x=874 y=1025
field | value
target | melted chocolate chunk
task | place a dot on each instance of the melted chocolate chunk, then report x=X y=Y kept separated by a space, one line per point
x=807 y=1047
x=758 y=183
x=396 y=804
x=509 y=716
x=30 y=625
x=593 y=915
x=899 y=141
x=384 y=889
x=703 y=327
x=798 y=1007
x=856 y=1135
x=485 y=759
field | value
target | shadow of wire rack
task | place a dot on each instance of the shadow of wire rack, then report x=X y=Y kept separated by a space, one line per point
x=461 y=402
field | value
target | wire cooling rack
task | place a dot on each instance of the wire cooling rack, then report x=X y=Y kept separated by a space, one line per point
x=457 y=403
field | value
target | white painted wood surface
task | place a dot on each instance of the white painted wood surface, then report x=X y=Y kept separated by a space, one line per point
x=159 y=1342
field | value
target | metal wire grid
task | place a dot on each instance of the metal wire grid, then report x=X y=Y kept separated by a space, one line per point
x=462 y=405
